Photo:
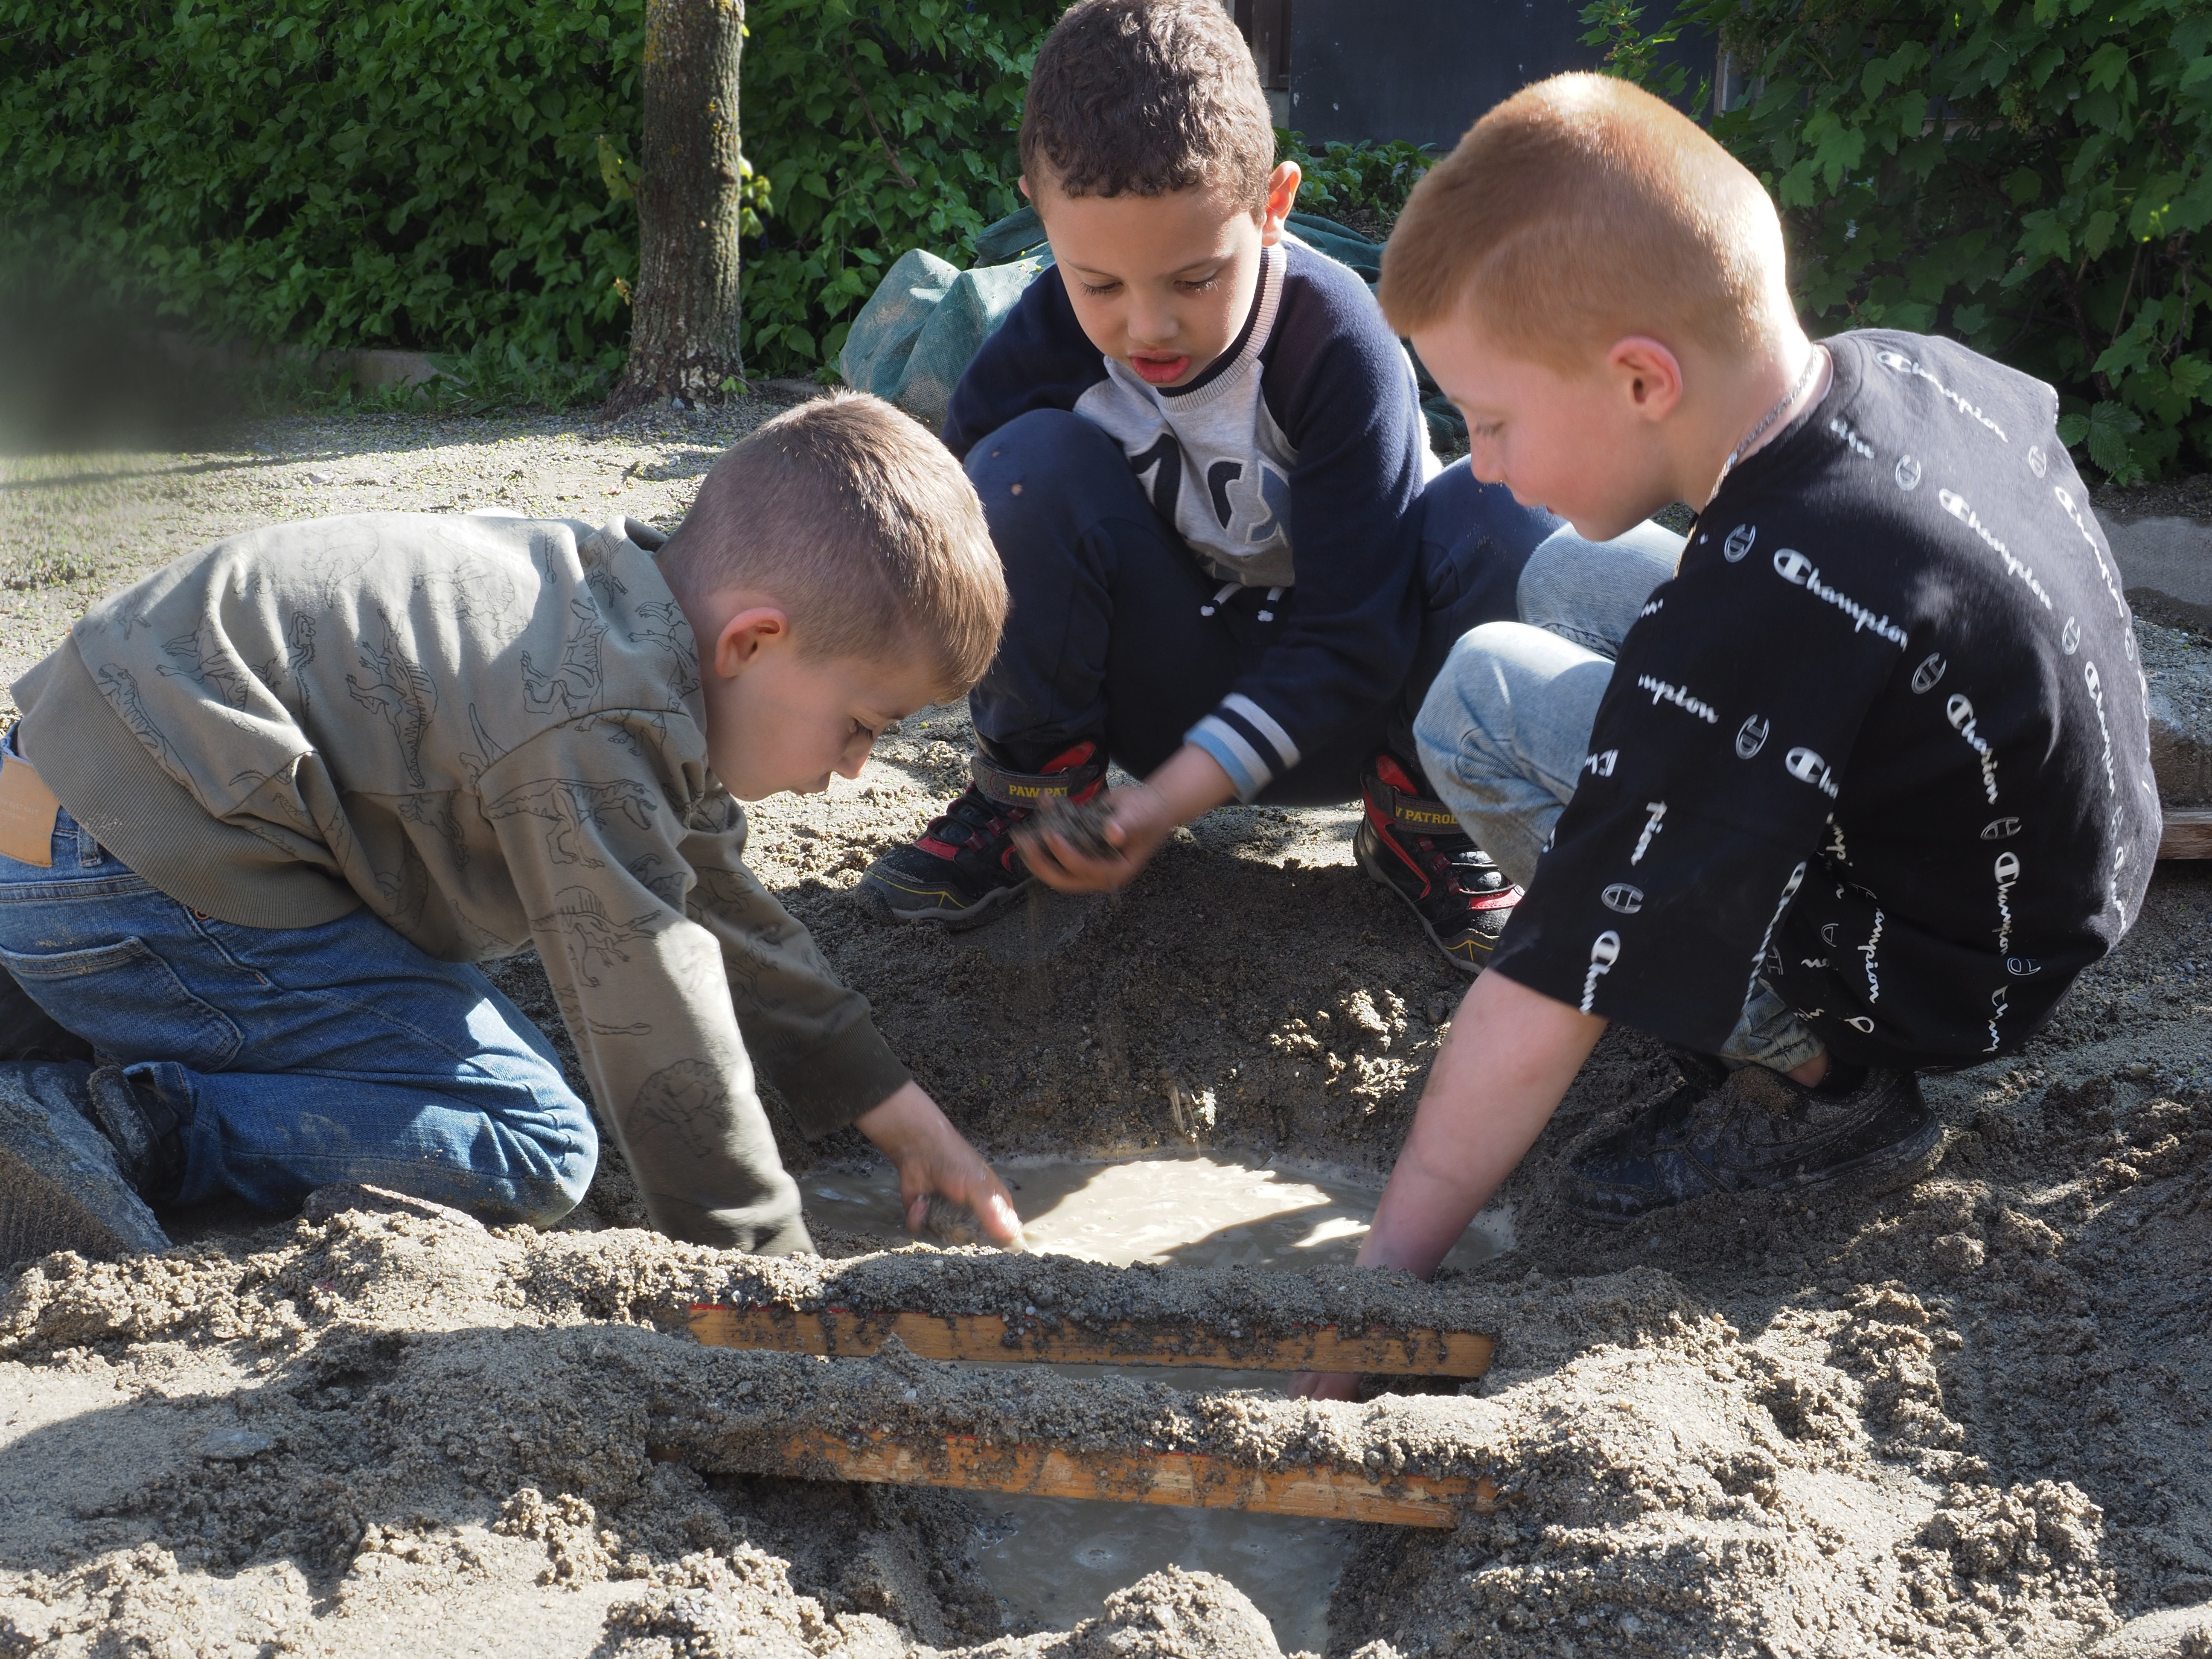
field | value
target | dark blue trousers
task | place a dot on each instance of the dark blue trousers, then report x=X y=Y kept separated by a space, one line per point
x=1106 y=643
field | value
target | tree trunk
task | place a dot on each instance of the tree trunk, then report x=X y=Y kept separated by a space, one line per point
x=684 y=320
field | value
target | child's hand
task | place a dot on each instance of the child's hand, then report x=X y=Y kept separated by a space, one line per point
x=1138 y=822
x=1190 y=782
x=933 y=1157
x=1505 y=1064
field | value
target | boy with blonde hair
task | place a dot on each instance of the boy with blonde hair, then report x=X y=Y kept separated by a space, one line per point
x=1202 y=454
x=266 y=808
x=1853 y=792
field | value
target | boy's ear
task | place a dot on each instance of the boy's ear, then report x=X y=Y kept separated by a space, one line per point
x=1648 y=372
x=745 y=636
x=1282 y=196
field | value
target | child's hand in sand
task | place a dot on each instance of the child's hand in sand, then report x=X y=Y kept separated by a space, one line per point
x=1104 y=856
x=1098 y=846
x=933 y=1157
x=1324 y=1385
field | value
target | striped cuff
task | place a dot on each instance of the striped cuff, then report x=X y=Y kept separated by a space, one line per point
x=1247 y=741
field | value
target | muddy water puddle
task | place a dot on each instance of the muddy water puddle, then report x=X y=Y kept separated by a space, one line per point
x=1054 y=1561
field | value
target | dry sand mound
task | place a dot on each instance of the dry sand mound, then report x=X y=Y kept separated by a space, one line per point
x=1969 y=1418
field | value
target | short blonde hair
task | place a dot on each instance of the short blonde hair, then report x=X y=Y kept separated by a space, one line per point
x=1581 y=210
x=861 y=523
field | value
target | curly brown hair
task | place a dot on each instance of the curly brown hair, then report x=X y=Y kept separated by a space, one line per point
x=1144 y=97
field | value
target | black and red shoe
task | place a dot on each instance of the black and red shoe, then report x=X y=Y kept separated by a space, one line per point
x=963 y=868
x=1412 y=845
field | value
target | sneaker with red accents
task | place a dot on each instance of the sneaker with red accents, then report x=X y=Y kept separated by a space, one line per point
x=963 y=868
x=1412 y=845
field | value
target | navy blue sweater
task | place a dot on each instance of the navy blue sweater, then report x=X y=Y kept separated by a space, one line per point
x=1296 y=460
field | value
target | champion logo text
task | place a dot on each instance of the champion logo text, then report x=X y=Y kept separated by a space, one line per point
x=1661 y=692
x=1799 y=571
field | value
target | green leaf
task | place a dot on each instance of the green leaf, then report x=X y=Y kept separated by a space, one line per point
x=2023 y=185
x=611 y=172
x=2191 y=373
x=2106 y=68
x=2109 y=427
x=2043 y=234
x=2097 y=232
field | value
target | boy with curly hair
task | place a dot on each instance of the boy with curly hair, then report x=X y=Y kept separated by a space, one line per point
x=1203 y=458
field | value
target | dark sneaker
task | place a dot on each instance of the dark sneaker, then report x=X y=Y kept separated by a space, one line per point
x=148 y=1147
x=1412 y=845
x=964 y=867
x=62 y=1186
x=1757 y=1131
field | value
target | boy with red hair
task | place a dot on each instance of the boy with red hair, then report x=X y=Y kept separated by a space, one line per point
x=1853 y=792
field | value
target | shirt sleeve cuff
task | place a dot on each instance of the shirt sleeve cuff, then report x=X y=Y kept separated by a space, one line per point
x=1214 y=745
x=1249 y=744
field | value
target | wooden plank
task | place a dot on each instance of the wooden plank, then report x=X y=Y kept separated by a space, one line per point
x=1188 y=1479
x=842 y=1333
x=2188 y=833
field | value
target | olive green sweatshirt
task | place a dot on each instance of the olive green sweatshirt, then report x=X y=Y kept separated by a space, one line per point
x=490 y=731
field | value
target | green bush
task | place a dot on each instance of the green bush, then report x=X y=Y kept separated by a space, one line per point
x=324 y=173
x=2029 y=176
x=454 y=174
x=1362 y=186
x=880 y=129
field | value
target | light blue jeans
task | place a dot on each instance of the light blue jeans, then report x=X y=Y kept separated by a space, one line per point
x=293 y=1057
x=1505 y=729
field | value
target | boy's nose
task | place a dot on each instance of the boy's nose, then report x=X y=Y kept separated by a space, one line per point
x=1149 y=330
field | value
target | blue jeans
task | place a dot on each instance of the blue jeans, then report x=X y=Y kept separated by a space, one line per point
x=1505 y=729
x=293 y=1057
x=1114 y=634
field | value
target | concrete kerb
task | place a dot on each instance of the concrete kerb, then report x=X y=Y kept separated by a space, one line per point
x=2166 y=566
x=2169 y=559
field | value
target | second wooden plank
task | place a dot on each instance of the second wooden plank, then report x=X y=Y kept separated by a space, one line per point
x=1184 y=1478
x=2188 y=833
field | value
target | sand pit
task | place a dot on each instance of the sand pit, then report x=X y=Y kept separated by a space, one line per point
x=1970 y=1417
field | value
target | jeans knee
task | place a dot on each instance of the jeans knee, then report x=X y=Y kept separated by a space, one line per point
x=1467 y=702
x=1559 y=581
x=531 y=1158
x=1590 y=591
x=551 y=1178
